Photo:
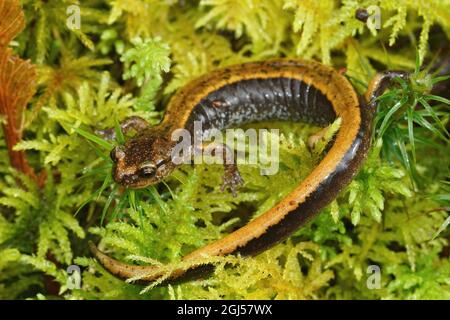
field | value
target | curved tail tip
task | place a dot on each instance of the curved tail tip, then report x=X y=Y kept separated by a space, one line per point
x=93 y=248
x=381 y=82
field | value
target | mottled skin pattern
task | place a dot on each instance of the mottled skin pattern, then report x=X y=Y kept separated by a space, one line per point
x=145 y=159
x=277 y=89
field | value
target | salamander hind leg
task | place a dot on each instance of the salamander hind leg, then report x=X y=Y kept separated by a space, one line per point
x=232 y=178
x=322 y=139
x=316 y=137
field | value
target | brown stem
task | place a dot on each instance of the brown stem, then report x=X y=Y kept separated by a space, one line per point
x=17 y=159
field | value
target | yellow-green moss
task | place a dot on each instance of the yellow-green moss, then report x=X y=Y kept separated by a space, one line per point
x=128 y=58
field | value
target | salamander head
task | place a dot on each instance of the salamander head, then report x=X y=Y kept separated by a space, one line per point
x=143 y=160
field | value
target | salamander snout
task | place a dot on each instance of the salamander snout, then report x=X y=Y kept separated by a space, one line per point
x=136 y=165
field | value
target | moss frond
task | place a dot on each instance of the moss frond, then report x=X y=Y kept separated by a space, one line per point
x=127 y=58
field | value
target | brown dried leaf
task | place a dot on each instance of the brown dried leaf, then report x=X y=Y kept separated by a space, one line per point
x=12 y=21
x=17 y=85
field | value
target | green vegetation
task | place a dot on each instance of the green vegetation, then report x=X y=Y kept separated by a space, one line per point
x=128 y=58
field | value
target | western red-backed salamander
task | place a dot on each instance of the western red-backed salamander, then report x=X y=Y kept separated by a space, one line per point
x=281 y=89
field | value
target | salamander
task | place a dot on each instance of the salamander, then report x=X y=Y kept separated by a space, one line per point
x=279 y=89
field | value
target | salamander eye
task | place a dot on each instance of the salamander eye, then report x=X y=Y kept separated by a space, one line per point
x=117 y=153
x=147 y=170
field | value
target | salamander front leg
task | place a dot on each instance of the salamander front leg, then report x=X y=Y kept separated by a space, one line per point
x=232 y=178
x=131 y=123
x=316 y=137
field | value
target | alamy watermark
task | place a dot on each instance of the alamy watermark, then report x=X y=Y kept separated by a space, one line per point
x=371 y=16
x=73 y=277
x=73 y=21
x=374 y=278
x=374 y=20
x=214 y=147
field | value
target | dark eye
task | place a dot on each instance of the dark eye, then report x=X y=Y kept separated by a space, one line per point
x=362 y=15
x=147 y=171
x=112 y=155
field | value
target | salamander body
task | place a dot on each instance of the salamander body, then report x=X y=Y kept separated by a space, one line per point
x=281 y=89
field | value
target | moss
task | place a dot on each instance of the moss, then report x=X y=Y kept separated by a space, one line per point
x=128 y=58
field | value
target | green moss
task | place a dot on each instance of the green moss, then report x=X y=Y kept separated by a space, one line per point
x=129 y=57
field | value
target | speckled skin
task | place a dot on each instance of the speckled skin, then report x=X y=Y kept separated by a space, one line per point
x=254 y=100
x=277 y=89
